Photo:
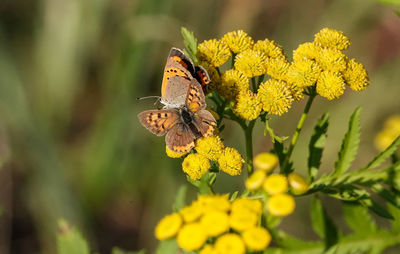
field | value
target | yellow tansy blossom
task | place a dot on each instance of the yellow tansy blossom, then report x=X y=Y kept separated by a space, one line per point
x=238 y=41
x=195 y=165
x=210 y=147
x=303 y=73
x=192 y=212
x=215 y=223
x=252 y=205
x=297 y=92
x=230 y=244
x=256 y=238
x=269 y=48
x=214 y=52
x=232 y=83
x=392 y=124
x=331 y=38
x=214 y=203
x=306 y=50
x=173 y=154
x=356 y=76
x=248 y=105
x=251 y=63
x=277 y=68
x=389 y=133
x=168 y=226
x=275 y=96
x=242 y=219
x=230 y=161
x=280 y=205
x=330 y=85
x=297 y=184
x=255 y=181
x=275 y=184
x=208 y=249
x=265 y=161
x=331 y=60
x=191 y=237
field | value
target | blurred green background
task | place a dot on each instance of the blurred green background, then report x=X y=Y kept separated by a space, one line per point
x=71 y=145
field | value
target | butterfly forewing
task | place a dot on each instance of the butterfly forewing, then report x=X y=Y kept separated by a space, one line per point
x=180 y=138
x=159 y=122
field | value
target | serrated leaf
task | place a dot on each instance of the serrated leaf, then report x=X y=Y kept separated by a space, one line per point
x=190 y=42
x=180 y=198
x=70 y=240
x=358 y=218
x=350 y=144
x=395 y=212
x=316 y=146
x=380 y=158
x=167 y=247
x=389 y=196
x=377 y=209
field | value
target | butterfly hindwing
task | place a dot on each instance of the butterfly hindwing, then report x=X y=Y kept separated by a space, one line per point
x=195 y=99
x=180 y=138
x=159 y=122
x=205 y=122
x=202 y=76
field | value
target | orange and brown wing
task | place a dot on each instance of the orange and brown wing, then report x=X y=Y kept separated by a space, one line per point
x=202 y=76
x=205 y=123
x=195 y=99
x=159 y=122
x=180 y=138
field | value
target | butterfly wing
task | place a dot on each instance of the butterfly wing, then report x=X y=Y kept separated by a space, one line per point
x=205 y=122
x=195 y=99
x=180 y=138
x=159 y=122
x=202 y=76
x=176 y=92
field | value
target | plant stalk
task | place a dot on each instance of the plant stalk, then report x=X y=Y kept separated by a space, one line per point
x=248 y=132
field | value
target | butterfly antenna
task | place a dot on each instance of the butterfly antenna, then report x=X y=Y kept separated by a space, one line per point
x=148 y=97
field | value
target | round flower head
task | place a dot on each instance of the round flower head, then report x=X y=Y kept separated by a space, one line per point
x=297 y=183
x=331 y=38
x=195 y=165
x=356 y=76
x=390 y=132
x=214 y=203
x=192 y=212
x=383 y=140
x=265 y=161
x=306 y=50
x=230 y=161
x=208 y=249
x=232 y=83
x=191 y=237
x=173 y=154
x=215 y=79
x=238 y=41
x=242 y=219
x=248 y=105
x=277 y=68
x=230 y=244
x=269 y=48
x=281 y=205
x=168 y=226
x=392 y=123
x=256 y=238
x=297 y=92
x=332 y=60
x=215 y=223
x=275 y=184
x=303 y=73
x=214 y=52
x=255 y=181
x=251 y=63
x=275 y=96
x=210 y=147
x=330 y=85
x=252 y=205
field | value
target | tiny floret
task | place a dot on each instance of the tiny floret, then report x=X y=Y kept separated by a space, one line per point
x=251 y=63
x=356 y=76
x=215 y=223
x=330 y=85
x=297 y=183
x=281 y=205
x=277 y=68
x=168 y=226
x=210 y=147
x=230 y=161
x=195 y=165
x=255 y=180
x=275 y=184
x=306 y=50
x=248 y=105
x=303 y=73
x=232 y=83
x=332 y=60
x=256 y=238
x=214 y=52
x=265 y=161
x=230 y=244
x=332 y=38
x=191 y=237
x=269 y=48
x=275 y=96
x=238 y=41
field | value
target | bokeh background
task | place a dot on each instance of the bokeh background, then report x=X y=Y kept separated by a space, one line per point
x=70 y=72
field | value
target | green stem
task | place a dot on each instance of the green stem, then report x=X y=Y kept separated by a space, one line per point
x=311 y=94
x=248 y=132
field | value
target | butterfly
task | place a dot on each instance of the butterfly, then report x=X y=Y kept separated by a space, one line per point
x=184 y=117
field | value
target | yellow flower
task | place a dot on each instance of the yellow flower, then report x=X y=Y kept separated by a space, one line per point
x=215 y=223
x=297 y=92
x=390 y=132
x=392 y=124
x=230 y=161
x=275 y=184
x=256 y=238
x=214 y=203
x=238 y=41
x=383 y=140
x=210 y=147
x=297 y=184
x=331 y=60
x=168 y=226
x=275 y=96
x=281 y=205
x=303 y=73
x=173 y=154
x=305 y=51
x=356 y=76
x=330 y=85
x=248 y=105
x=195 y=165
x=266 y=161
x=214 y=52
x=230 y=244
x=232 y=82
x=331 y=38
x=242 y=219
x=255 y=181
x=192 y=212
x=251 y=63
x=252 y=205
x=215 y=79
x=277 y=68
x=191 y=237
x=269 y=48
x=208 y=249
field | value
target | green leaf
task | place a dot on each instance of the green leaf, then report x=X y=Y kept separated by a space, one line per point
x=395 y=212
x=190 y=43
x=180 y=198
x=350 y=144
x=279 y=151
x=377 y=209
x=380 y=158
x=167 y=247
x=389 y=196
x=358 y=218
x=117 y=250
x=268 y=130
x=233 y=196
x=322 y=224
x=316 y=146
x=70 y=240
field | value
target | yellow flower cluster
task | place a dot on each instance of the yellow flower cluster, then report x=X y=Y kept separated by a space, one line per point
x=234 y=227
x=390 y=131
